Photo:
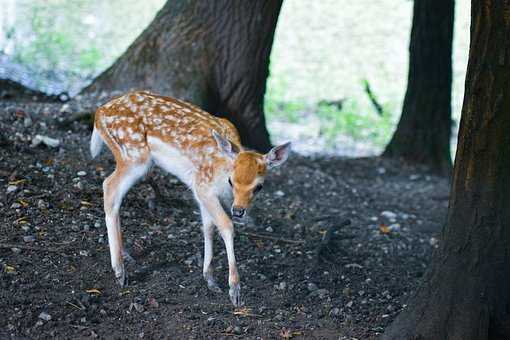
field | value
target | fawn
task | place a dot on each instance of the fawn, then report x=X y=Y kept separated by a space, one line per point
x=203 y=151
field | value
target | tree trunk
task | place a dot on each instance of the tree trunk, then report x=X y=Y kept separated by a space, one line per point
x=466 y=292
x=212 y=53
x=423 y=132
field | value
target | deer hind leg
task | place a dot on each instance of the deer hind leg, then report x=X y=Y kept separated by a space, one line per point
x=208 y=230
x=115 y=188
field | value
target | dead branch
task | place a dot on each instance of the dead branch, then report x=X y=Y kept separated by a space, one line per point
x=272 y=238
x=373 y=99
x=40 y=249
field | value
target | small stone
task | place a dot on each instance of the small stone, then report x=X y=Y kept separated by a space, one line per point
x=334 y=311
x=45 y=316
x=41 y=204
x=27 y=122
x=389 y=214
x=152 y=302
x=321 y=293
x=381 y=171
x=29 y=238
x=189 y=260
x=11 y=188
x=138 y=307
x=394 y=227
x=312 y=287
x=237 y=330
x=16 y=250
x=282 y=285
x=347 y=291
x=81 y=173
x=97 y=224
x=15 y=205
x=349 y=304
x=86 y=227
x=433 y=241
x=279 y=193
x=269 y=229
x=48 y=141
x=84 y=253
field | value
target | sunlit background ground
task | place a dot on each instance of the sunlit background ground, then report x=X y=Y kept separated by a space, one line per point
x=323 y=52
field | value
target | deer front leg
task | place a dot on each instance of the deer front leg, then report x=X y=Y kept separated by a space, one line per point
x=208 y=231
x=226 y=230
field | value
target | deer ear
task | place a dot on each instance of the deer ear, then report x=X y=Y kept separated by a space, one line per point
x=277 y=155
x=226 y=146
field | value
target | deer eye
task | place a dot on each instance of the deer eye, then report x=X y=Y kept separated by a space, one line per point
x=257 y=188
x=230 y=182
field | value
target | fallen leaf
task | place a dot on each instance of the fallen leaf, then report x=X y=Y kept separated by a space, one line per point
x=23 y=203
x=93 y=291
x=9 y=269
x=244 y=311
x=384 y=229
x=19 y=181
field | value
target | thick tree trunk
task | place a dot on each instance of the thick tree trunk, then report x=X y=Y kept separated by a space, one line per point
x=423 y=133
x=466 y=293
x=212 y=53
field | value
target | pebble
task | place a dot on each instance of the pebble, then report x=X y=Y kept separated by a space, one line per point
x=433 y=241
x=269 y=229
x=312 y=287
x=11 y=188
x=16 y=250
x=45 y=316
x=334 y=311
x=84 y=253
x=279 y=193
x=97 y=224
x=81 y=173
x=29 y=238
x=27 y=122
x=48 y=141
x=15 y=205
x=138 y=307
x=41 y=204
x=394 y=227
x=282 y=285
x=389 y=214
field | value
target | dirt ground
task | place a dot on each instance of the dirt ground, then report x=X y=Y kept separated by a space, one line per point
x=55 y=276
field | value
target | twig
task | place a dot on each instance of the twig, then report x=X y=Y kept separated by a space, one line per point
x=49 y=250
x=324 y=247
x=378 y=107
x=272 y=238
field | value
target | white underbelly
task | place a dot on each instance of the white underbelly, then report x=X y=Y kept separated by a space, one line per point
x=172 y=160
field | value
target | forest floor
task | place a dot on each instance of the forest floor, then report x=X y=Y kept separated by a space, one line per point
x=55 y=275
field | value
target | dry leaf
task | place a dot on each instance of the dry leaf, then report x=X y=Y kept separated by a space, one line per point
x=93 y=291
x=9 y=269
x=384 y=229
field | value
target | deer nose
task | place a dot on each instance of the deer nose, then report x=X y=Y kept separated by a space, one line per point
x=238 y=211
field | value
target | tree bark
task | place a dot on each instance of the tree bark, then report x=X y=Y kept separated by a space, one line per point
x=212 y=53
x=423 y=132
x=466 y=292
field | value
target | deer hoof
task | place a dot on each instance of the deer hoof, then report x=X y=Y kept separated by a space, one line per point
x=122 y=278
x=235 y=295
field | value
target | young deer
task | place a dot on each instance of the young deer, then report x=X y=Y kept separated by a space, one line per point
x=203 y=151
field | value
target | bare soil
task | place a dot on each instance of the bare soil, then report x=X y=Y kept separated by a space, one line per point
x=55 y=276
